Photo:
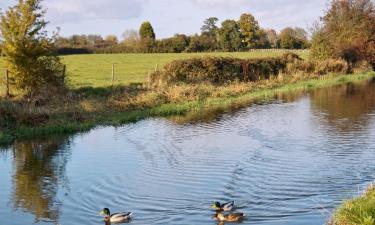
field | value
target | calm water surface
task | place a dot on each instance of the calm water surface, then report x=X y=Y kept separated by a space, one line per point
x=291 y=161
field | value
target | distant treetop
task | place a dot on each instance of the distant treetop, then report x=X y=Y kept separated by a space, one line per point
x=147 y=31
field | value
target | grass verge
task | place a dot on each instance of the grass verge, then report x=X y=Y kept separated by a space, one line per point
x=92 y=107
x=358 y=211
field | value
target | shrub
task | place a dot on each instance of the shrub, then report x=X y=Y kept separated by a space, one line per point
x=290 y=57
x=16 y=114
x=219 y=70
x=331 y=66
x=307 y=67
x=319 y=67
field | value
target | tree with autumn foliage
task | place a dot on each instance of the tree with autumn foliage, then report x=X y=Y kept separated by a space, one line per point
x=29 y=52
x=347 y=31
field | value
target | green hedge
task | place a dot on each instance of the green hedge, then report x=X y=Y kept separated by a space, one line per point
x=219 y=70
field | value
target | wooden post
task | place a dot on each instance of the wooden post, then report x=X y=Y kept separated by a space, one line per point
x=63 y=75
x=113 y=74
x=149 y=80
x=156 y=67
x=7 y=91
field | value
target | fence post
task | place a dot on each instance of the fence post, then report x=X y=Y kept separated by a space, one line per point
x=7 y=93
x=63 y=75
x=149 y=80
x=113 y=74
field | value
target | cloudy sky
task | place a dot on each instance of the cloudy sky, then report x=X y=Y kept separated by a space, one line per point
x=172 y=16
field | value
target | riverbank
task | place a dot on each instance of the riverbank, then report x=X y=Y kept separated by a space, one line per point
x=85 y=108
x=358 y=211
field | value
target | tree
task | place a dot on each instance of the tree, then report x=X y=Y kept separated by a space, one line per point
x=263 y=41
x=272 y=37
x=94 y=40
x=111 y=39
x=210 y=33
x=179 y=43
x=249 y=28
x=321 y=48
x=300 y=34
x=347 y=31
x=29 y=52
x=147 y=35
x=130 y=35
x=230 y=36
x=293 y=38
x=209 y=27
x=201 y=43
x=131 y=40
x=146 y=31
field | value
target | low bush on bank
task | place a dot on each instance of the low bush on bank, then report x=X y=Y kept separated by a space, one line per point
x=16 y=114
x=359 y=211
x=318 y=67
x=222 y=70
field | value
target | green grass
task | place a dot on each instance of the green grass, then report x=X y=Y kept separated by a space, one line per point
x=358 y=211
x=95 y=70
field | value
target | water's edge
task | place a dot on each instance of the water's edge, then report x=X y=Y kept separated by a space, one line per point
x=167 y=110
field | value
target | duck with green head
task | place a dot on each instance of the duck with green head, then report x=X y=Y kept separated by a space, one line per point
x=116 y=217
x=225 y=207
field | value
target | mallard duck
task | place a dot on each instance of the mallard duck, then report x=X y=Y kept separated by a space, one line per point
x=232 y=217
x=116 y=217
x=226 y=207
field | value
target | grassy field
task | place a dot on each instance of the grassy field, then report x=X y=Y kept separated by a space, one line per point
x=96 y=70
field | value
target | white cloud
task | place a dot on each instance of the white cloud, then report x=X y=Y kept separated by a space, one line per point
x=77 y=10
x=220 y=3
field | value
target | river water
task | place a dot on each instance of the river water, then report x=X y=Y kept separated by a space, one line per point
x=292 y=160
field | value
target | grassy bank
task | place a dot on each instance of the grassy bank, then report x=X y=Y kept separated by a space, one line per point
x=358 y=211
x=86 y=108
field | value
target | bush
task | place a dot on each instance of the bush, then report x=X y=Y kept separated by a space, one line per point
x=219 y=70
x=331 y=66
x=305 y=67
x=319 y=67
x=16 y=114
x=290 y=57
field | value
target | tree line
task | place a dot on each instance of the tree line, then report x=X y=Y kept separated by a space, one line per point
x=230 y=36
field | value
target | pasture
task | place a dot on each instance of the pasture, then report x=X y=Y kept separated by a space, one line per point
x=95 y=70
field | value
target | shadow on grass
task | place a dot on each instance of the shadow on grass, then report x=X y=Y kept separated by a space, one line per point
x=100 y=92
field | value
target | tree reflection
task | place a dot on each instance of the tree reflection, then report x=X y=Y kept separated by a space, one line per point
x=39 y=173
x=345 y=105
x=214 y=114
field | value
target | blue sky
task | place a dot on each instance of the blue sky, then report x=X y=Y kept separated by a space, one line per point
x=172 y=16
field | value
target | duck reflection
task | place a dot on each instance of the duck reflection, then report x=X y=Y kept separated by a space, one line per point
x=38 y=175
